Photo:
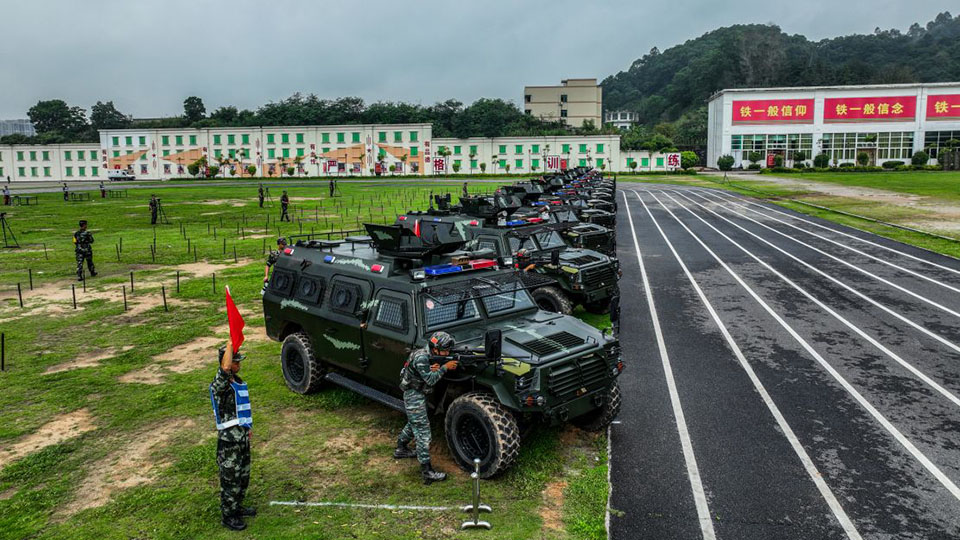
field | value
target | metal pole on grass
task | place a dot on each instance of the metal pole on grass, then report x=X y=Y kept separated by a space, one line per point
x=163 y=291
x=124 y=297
x=73 y=291
x=30 y=271
x=20 y=295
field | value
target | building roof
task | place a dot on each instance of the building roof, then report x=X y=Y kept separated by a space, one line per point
x=832 y=87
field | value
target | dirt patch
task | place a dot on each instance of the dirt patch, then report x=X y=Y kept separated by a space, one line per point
x=180 y=359
x=236 y=203
x=61 y=429
x=308 y=199
x=125 y=468
x=86 y=360
x=206 y=268
x=8 y=494
x=551 y=512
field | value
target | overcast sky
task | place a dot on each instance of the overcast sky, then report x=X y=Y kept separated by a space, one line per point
x=148 y=56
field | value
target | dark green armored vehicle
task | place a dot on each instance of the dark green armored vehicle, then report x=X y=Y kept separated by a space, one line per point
x=350 y=312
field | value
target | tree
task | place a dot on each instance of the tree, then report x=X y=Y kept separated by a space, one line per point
x=55 y=116
x=920 y=158
x=212 y=171
x=251 y=170
x=725 y=163
x=778 y=160
x=393 y=169
x=193 y=109
x=755 y=157
x=633 y=165
x=456 y=167
x=483 y=167
x=821 y=161
x=193 y=169
x=291 y=171
x=688 y=160
x=106 y=116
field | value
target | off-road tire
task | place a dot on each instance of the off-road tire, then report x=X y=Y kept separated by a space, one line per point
x=599 y=419
x=479 y=419
x=600 y=307
x=553 y=299
x=302 y=371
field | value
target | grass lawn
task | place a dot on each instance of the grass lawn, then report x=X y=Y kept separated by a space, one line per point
x=939 y=184
x=105 y=424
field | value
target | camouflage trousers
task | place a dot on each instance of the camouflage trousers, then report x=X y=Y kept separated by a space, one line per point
x=233 y=459
x=418 y=424
x=85 y=256
x=284 y=216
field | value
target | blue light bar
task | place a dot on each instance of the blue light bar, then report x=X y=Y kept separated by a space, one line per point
x=329 y=259
x=538 y=203
x=441 y=269
x=516 y=222
x=436 y=219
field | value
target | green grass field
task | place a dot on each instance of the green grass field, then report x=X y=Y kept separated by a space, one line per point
x=105 y=424
x=939 y=184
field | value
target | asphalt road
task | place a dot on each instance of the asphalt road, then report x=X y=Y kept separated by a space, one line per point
x=788 y=378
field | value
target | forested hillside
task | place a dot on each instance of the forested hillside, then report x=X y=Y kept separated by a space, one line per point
x=671 y=87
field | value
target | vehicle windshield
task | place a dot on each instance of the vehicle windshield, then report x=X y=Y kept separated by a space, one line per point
x=525 y=242
x=448 y=310
x=565 y=216
x=507 y=301
x=549 y=239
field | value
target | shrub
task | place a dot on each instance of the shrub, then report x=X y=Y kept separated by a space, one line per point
x=725 y=163
x=212 y=171
x=863 y=158
x=846 y=164
x=393 y=169
x=291 y=171
x=689 y=160
x=193 y=169
x=755 y=157
x=251 y=170
x=799 y=156
x=754 y=167
x=233 y=171
x=778 y=161
x=456 y=167
x=891 y=164
x=821 y=161
x=483 y=167
x=920 y=158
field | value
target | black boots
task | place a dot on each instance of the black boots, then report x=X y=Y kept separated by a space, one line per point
x=403 y=452
x=429 y=475
x=234 y=523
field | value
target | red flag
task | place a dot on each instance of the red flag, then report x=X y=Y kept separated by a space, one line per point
x=235 y=321
x=416 y=228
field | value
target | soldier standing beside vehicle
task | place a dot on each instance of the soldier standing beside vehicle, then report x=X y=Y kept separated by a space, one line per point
x=83 y=246
x=417 y=380
x=231 y=410
x=260 y=195
x=154 y=206
x=284 y=203
x=272 y=258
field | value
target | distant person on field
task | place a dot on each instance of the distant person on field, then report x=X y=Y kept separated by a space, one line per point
x=260 y=194
x=103 y=190
x=466 y=192
x=284 y=204
x=332 y=187
x=6 y=195
x=66 y=192
x=154 y=208
x=83 y=247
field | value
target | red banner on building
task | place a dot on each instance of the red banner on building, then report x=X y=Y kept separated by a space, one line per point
x=943 y=107
x=871 y=109
x=773 y=111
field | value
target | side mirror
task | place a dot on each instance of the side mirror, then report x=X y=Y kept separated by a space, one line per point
x=492 y=342
x=555 y=257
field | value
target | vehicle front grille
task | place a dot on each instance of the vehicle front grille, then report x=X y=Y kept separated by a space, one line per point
x=594 y=277
x=582 y=260
x=567 y=380
x=553 y=343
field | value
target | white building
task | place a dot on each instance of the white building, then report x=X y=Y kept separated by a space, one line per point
x=887 y=122
x=573 y=102
x=622 y=120
x=59 y=162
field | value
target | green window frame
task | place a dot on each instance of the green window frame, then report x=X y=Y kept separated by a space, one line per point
x=535 y=149
x=325 y=138
x=599 y=148
x=565 y=149
x=299 y=138
x=414 y=136
x=216 y=139
x=583 y=149
x=179 y=140
x=270 y=138
x=503 y=149
x=473 y=164
x=232 y=152
x=518 y=149
x=80 y=155
x=193 y=140
x=271 y=153
x=83 y=171
x=645 y=162
x=68 y=171
x=45 y=155
x=245 y=152
x=33 y=155
x=142 y=141
x=1 y=171
x=456 y=150
x=397 y=136
x=143 y=157
x=518 y=163
x=19 y=155
x=286 y=152
x=414 y=151
x=165 y=140
x=115 y=141
x=217 y=153
x=166 y=152
x=381 y=136
x=534 y=163
x=66 y=155
x=116 y=153
x=599 y=162
x=325 y=149
x=21 y=171
x=355 y=136
x=503 y=163
x=128 y=141
x=381 y=153
x=94 y=171
x=245 y=138
x=46 y=171
x=231 y=139
x=659 y=162
x=299 y=152
x=284 y=138
x=630 y=163
x=473 y=149
x=457 y=162
x=583 y=162
x=341 y=137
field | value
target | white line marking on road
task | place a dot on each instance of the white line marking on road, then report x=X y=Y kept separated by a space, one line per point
x=808 y=464
x=839 y=260
x=857 y=251
x=894 y=356
x=367 y=506
x=852 y=236
x=882 y=420
x=693 y=472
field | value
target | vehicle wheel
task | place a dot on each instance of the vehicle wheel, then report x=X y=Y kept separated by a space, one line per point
x=301 y=369
x=598 y=308
x=553 y=299
x=599 y=419
x=478 y=426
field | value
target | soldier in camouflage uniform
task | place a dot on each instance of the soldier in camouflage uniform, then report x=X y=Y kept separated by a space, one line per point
x=83 y=246
x=231 y=409
x=260 y=195
x=272 y=258
x=284 y=204
x=154 y=207
x=417 y=380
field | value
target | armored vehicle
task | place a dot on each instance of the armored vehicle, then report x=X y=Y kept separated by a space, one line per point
x=349 y=313
x=575 y=233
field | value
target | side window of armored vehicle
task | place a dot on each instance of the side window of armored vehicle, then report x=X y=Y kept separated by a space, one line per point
x=448 y=310
x=487 y=242
x=500 y=302
x=344 y=297
x=525 y=243
x=549 y=239
x=310 y=289
x=282 y=282
x=392 y=314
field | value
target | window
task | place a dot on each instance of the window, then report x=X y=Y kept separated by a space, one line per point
x=299 y=138
x=232 y=152
x=340 y=137
x=565 y=149
x=166 y=152
x=33 y=171
x=128 y=141
x=216 y=139
x=325 y=138
x=231 y=139
x=284 y=138
x=179 y=140
x=391 y=313
x=583 y=163
x=414 y=151
x=518 y=163
x=115 y=141
x=116 y=153
x=193 y=140
x=46 y=171
x=245 y=152
x=83 y=171
x=527 y=98
x=535 y=149
x=33 y=155
x=599 y=162
x=355 y=136
x=659 y=162
x=66 y=155
x=245 y=138
x=503 y=163
x=518 y=149
x=563 y=113
x=68 y=171
x=1 y=171
x=397 y=136
x=599 y=148
x=457 y=163
x=270 y=139
x=165 y=140
x=94 y=171
x=473 y=164
x=506 y=301
x=583 y=149
x=449 y=309
x=325 y=149
x=473 y=149
x=129 y=152
x=456 y=150
x=19 y=155
x=22 y=171
x=563 y=98
x=142 y=141
x=286 y=152
x=414 y=135
x=80 y=155
x=300 y=152
x=217 y=153
x=46 y=155
x=143 y=156
x=535 y=164
x=345 y=297
x=381 y=136
x=271 y=153
x=934 y=141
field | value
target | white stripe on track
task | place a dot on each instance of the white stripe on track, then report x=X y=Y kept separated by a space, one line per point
x=857 y=251
x=835 y=258
x=882 y=420
x=894 y=356
x=848 y=235
x=693 y=472
x=808 y=464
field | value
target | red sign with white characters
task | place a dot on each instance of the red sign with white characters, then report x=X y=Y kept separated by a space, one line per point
x=943 y=107
x=870 y=109
x=773 y=111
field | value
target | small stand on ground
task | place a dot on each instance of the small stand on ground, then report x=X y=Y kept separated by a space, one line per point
x=476 y=507
x=9 y=240
x=161 y=214
x=79 y=196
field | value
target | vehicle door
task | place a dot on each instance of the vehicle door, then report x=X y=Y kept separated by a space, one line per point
x=389 y=337
x=341 y=334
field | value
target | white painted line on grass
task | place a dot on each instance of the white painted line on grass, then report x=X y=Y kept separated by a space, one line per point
x=693 y=472
x=841 y=261
x=882 y=420
x=855 y=250
x=894 y=356
x=364 y=506
x=845 y=522
x=848 y=235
